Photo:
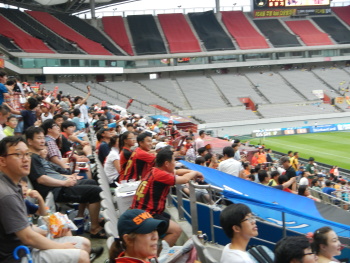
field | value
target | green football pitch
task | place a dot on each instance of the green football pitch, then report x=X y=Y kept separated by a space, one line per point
x=332 y=148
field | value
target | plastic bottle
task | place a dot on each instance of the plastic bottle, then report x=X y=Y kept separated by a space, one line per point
x=200 y=236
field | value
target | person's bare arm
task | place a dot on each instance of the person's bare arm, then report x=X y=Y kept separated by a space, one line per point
x=13 y=111
x=188 y=176
x=31 y=238
x=59 y=162
x=289 y=182
x=48 y=181
x=87 y=96
x=41 y=203
x=242 y=174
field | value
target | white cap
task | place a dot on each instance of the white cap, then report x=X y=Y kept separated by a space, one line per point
x=161 y=145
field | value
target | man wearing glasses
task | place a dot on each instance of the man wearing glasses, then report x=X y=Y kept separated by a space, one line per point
x=294 y=249
x=239 y=224
x=15 y=230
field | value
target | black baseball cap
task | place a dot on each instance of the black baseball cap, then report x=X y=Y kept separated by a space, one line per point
x=140 y=222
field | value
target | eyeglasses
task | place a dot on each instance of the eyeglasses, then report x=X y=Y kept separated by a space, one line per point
x=250 y=219
x=20 y=155
x=311 y=253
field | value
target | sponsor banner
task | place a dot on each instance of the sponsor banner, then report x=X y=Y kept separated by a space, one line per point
x=301 y=130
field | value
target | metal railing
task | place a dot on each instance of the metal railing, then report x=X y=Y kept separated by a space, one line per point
x=335 y=200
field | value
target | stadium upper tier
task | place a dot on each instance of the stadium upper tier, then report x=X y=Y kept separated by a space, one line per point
x=40 y=32
x=216 y=98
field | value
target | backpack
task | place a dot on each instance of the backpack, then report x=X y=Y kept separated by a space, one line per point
x=261 y=254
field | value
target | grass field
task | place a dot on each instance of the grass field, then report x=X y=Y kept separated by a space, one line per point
x=327 y=147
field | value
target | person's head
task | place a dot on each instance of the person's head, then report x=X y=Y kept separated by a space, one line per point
x=43 y=153
x=275 y=175
x=165 y=160
x=24 y=184
x=235 y=146
x=76 y=112
x=130 y=127
x=294 y=249
x=103 y=134
x=78 y=100
x=326 y=242
x=314 y=182
x=202 y=134
x=3 y=76
x=200 y=161
x=296 y=154
x=139 y=233
x=144 y=141
x=127 y=139
x=12 y=121
x=311 y=160
x=282 y=179
x=328 y=183
x=58 y=118
x=303 y=190
x=202 y=151
x=251 y=177
x=35 y=138
x=44 y=107
x=4 y=114
x=68 y=127
x=238 y=220
x=188 y=140
x=31 y=103
x=65 y=113
x=263 y=176
x=285 y=162
x=114 y=142
x=228 y=152
x=290 y=153
x=238 y=141
x=51 y=128
x=14 y=157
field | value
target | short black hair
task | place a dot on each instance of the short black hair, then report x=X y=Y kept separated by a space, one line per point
x=201 y=150
x=31 y=131
x=328 y=183
x=3 y=73
x=274 y=174
x=231 y=216
x=32 y=103
x=142 y=136
x=262 y=174
x=199 y=160
x=282 y=179
x=76 y=112
x=237 y=141
x=57 y=116
x=234 y=145
x=77 y=98
x=289 y=248
x=11 y=117
x=4 y=110
x=228 y=150
x=47 y=124
x=9 y=141
x=201 y=132
x=289 y=152
x=164 y=155
x=67 y=124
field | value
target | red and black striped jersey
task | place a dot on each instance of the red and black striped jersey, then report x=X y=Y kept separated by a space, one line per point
x=124 y=158
x=152 y=192
x=138 y=165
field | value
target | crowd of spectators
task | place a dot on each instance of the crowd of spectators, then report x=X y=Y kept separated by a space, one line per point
x=45 y=139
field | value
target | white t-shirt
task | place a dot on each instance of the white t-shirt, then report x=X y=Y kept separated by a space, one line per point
x=109 y=167
x=230 y=166
x=304 y=181
x=234 y=256
x=2 y=134
x=44 y=118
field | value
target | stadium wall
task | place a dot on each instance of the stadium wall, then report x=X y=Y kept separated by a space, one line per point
x=221 y=129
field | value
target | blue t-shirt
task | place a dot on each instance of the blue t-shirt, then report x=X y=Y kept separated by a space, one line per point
x=31 y=208
x=328 y=190
x=80 y=125
x=29 y=118
x=3 y=90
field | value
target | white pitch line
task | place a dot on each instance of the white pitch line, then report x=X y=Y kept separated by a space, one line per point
x=316 y=149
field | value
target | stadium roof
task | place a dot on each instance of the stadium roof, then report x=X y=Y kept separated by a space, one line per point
x=62 y=6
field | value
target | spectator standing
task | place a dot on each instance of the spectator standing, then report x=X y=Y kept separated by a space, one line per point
x=303 y=179
x=199 y=142
x=80 y=104
x=294 y=161
x=230 y=165
x=4 y=93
